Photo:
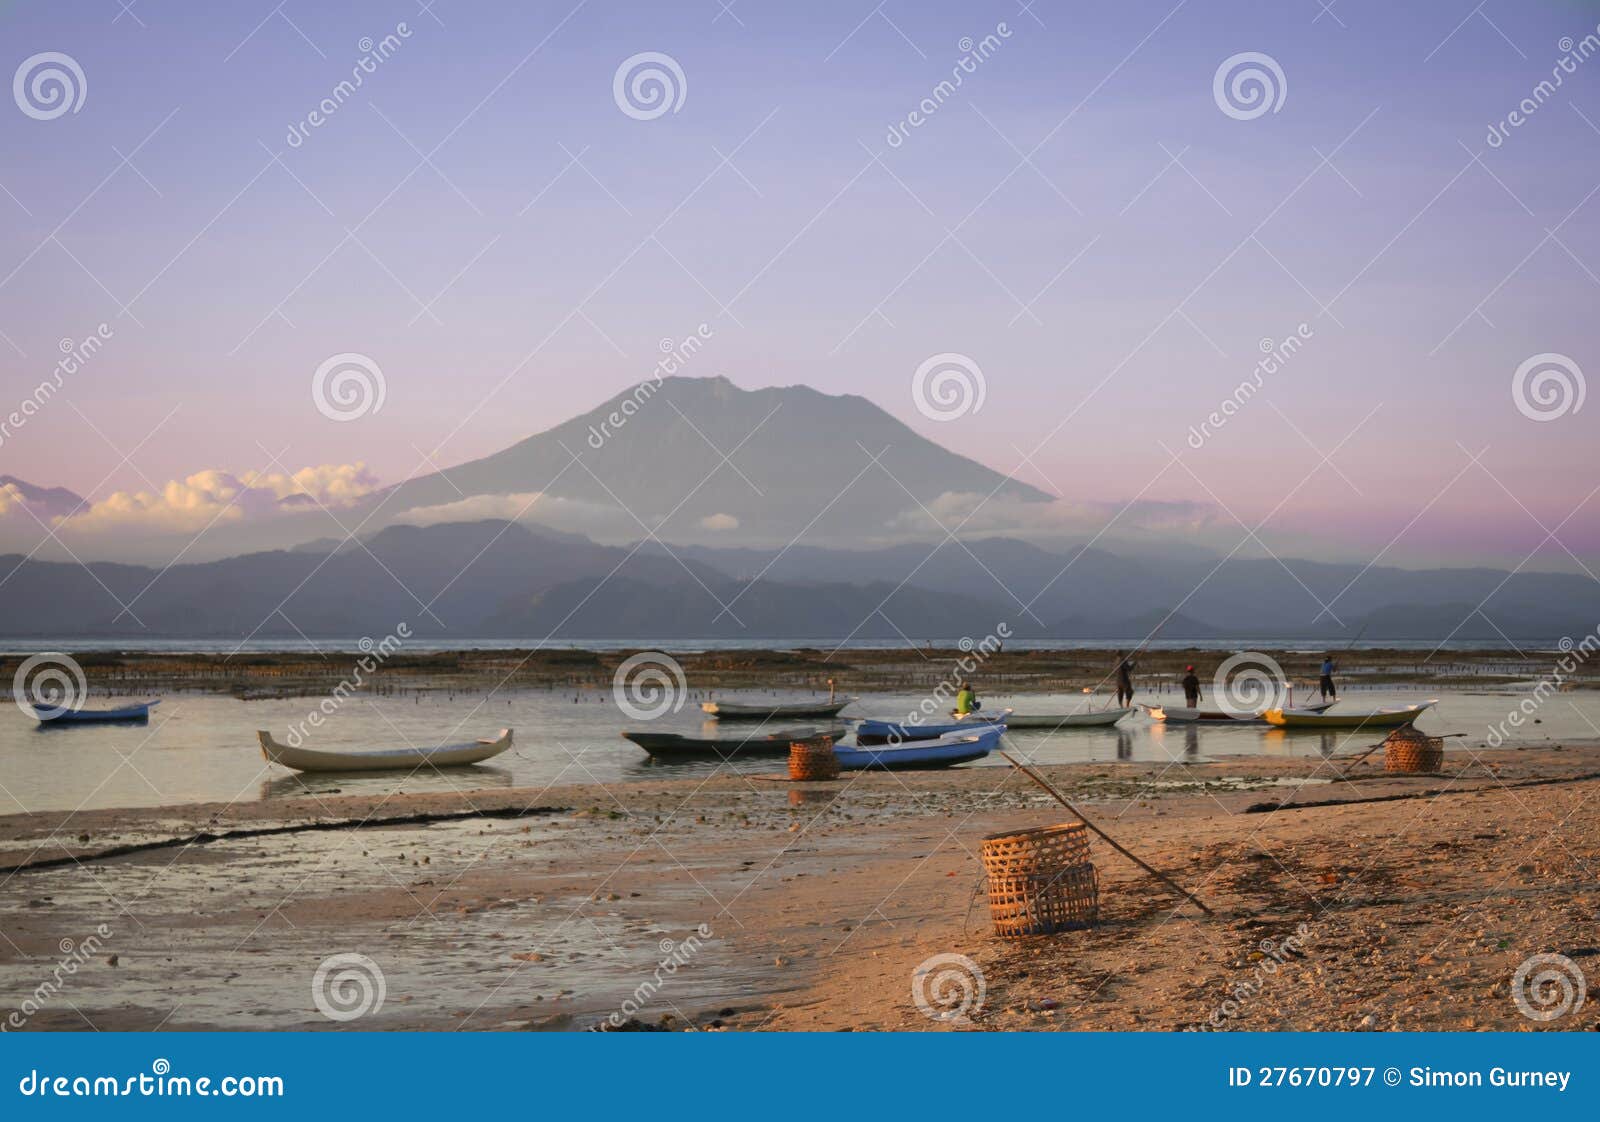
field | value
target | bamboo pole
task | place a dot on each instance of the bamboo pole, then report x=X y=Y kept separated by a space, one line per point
x=1060 y=798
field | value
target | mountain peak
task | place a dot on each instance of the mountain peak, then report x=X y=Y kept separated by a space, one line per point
x=49 y=502
x=690 y=457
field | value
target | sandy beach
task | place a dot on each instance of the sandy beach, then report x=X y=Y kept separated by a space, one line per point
x=741 y=902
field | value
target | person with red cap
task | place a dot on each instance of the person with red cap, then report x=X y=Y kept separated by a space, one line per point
x=1191 y=688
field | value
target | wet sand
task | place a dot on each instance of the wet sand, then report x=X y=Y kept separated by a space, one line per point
x=737 y=902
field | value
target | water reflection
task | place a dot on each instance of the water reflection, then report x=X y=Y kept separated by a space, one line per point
x=202 y=747
x=455 y=780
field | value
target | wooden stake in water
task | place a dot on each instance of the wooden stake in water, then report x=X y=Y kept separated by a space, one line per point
x=1062 y=799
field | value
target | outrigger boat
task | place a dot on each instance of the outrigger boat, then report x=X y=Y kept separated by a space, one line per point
x=884 y=732
x=1097 y=719
x=50 y=716
x=673 y=746
x=946 y=751
x=1174 y=714
x=391 y=759
x=733 y=711
x=1355 y=719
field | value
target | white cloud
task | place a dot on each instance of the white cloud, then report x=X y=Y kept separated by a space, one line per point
x=719 y=522
x=979 y=514
x=211 y=497
x=599 y=522
x=14 y=505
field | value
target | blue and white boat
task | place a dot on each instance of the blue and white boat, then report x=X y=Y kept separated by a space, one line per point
x=48 y=715
x=896 y=732
x=946 y=751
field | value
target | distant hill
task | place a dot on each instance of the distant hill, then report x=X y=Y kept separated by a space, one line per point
x=495 y=579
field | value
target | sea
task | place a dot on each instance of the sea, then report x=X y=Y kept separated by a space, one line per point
x=202 y=747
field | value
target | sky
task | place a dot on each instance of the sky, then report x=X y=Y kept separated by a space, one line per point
x=1105 y=237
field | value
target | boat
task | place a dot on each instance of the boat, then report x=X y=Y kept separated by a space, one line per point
x=762 y=711
x=945 y=751
x=1354 y=719
x=1173 y=714
x=884 y=732
x=673 y=746
x=383 y=759
x=48 y=715
x=1099 y=718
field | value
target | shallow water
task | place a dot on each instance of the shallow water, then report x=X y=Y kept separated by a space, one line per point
x=202 y=747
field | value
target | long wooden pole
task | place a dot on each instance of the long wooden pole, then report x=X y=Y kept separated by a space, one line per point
x=1060 y=798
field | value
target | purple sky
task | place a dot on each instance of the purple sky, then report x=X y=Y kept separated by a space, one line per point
x=1080 y=217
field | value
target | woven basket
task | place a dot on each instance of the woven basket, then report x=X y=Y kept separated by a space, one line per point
x=1407 y=750
x=813 y=759
x=1041 y=881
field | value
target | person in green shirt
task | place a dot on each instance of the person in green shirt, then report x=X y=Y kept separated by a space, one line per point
x=966 y=701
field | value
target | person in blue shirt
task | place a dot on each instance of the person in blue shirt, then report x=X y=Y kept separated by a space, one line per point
x=1326 y=684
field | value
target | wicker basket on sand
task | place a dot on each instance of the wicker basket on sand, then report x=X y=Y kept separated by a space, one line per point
x=1407 y=750
x=1041 y=881
x=813 y=759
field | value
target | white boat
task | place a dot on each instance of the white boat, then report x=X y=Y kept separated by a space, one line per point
x=1174 y=714
x=390 y=759
x=1099 y=718
x=1350 y=719
x=760 y=711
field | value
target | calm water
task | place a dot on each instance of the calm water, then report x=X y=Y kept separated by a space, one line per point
x=203 y=747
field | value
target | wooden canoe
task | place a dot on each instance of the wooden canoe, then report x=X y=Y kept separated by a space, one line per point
x=1355 y=719
x=761 y=711
x=1096 y=719
x=390 y=759
x=682 y=749
x=894 y=732
x=1173 y=714
x=49 y=716
x=946 y=751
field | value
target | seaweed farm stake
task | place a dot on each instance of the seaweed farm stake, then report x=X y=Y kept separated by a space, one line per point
x=1062 y=799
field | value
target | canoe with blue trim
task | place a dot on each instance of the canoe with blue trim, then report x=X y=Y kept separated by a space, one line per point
x=49 y=716
x=895 y=732
x=946 y=751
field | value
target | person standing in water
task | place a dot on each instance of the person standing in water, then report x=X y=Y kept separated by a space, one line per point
x=1125 y=665
x=1191 y=688
x=1326 y=684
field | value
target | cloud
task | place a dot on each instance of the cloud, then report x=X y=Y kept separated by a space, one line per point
x=719 y=522
x=329 y=484
x=977 y=513
x=601 y=522
x=214 y=497
x=14 y=504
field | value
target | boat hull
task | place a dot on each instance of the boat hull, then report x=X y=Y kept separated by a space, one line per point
x=946 y=751
x=1380 y=719
x=398 y=759
x=870 y=732
x=126 y=714
x=1098 y=719
x=1177 y=715
x=683 y=749
x=730 y=711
